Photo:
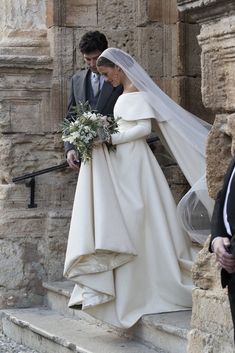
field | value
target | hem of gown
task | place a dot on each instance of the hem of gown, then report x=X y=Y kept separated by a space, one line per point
x=90 y=298
x=129 y=325
x=100 y=261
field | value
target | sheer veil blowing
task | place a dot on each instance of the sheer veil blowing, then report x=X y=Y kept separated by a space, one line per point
x=176 y=124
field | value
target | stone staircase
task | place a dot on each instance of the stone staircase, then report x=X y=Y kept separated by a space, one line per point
x=55 y=328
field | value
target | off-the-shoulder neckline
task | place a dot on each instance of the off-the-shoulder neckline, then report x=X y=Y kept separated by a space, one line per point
x=124 y=93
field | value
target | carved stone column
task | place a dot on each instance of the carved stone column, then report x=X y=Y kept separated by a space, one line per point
x=32 y=239
x=23 y=29
x=212 y=329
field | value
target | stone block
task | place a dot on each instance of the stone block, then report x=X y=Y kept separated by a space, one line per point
x=25 y=109
x=163 y=11
x=193 y=99
x=23 y=28
x=24 y=223
x=11 y=262
x=72 y=13
x=63 y=50
x=181 y=49
x=216 y=319
x=22 y=269
x=114 y=15
x=124 y=39
x=190 y=5
x=149 y=54
x=218 y=65
x=200 y=342
x=54 y=249
x=23 y=153
x=173 y=86
x=191 y=50
x=212 y=328
x=172 y=47
x=218 y=154
x=205 y=272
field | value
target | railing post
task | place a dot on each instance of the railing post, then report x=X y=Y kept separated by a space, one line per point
x=31 y=184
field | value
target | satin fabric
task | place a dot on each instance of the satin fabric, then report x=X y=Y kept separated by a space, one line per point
x=127 y=253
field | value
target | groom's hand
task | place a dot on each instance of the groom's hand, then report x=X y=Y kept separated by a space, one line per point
x=73 y=160
x=221 y=250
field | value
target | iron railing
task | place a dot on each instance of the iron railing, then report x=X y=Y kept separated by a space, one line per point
x=31 y=182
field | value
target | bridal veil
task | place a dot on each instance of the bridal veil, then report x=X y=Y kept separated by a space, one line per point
x=176 y=124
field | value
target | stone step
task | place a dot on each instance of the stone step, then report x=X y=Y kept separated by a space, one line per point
x=49 y=332
x=167 y=331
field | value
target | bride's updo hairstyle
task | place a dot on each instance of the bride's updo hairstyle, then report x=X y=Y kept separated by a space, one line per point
x=120 y=59
x=102 y=61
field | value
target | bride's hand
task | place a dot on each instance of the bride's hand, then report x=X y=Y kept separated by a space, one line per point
x=102 y=137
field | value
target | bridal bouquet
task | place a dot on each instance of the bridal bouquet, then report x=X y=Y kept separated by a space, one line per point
x=86 y=128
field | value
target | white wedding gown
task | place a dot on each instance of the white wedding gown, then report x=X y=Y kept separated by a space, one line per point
x=127 y=254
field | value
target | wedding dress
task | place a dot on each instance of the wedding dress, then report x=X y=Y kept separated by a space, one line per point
x=127 y=254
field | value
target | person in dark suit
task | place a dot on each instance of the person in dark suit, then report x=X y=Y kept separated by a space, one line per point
x=223 y=233
x=89 y=85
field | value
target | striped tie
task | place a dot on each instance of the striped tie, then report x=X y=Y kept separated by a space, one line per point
x=95 y=83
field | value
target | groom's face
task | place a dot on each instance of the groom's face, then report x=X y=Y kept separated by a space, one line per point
x=91 y=58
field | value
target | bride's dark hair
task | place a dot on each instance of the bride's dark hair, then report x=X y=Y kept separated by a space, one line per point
x=102 y=61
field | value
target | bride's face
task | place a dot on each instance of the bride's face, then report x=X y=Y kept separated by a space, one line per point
x=111 y=74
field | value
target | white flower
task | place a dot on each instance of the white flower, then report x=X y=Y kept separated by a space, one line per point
x=82 y=131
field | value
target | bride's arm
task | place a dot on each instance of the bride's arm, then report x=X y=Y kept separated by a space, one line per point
x=140 y=130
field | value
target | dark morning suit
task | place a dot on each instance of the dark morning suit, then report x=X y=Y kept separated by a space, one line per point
x=218 y=229
x=81 y=91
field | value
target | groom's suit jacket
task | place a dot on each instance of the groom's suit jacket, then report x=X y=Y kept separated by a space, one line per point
x=218 y=228
x=79 y=93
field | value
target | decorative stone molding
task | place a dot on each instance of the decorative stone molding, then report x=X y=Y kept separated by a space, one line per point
x=23 y=28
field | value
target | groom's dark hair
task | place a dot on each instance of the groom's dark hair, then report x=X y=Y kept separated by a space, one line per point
x=92 y=41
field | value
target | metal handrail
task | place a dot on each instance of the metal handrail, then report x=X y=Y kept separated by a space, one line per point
x=32 y=176
x=40 y=172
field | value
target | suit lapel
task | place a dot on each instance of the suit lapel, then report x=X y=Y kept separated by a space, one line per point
x=229 y=172
x=81 y=86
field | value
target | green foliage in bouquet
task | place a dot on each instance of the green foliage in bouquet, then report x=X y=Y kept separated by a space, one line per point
x=85 y=127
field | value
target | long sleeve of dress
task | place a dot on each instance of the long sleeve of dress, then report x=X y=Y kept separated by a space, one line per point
x=141 y=129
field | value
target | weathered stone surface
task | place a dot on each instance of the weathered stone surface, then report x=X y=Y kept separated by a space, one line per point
x=147 y=40
x=200 y=342
x=212 y=328
x=23 y=28
x=157 y=11
x=205 y=271
x=217 y=41
x=112 y=16
x=218 y=153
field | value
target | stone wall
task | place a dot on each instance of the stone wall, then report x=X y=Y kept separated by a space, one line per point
x=212 y=329
x=38 y=55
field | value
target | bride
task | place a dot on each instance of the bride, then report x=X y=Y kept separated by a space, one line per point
x=127 y=253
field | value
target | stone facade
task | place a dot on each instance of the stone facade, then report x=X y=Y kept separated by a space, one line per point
x=38 y=55
x=212 y=329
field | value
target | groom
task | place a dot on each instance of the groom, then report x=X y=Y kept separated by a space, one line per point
x=223 y=234
x=89 y=85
